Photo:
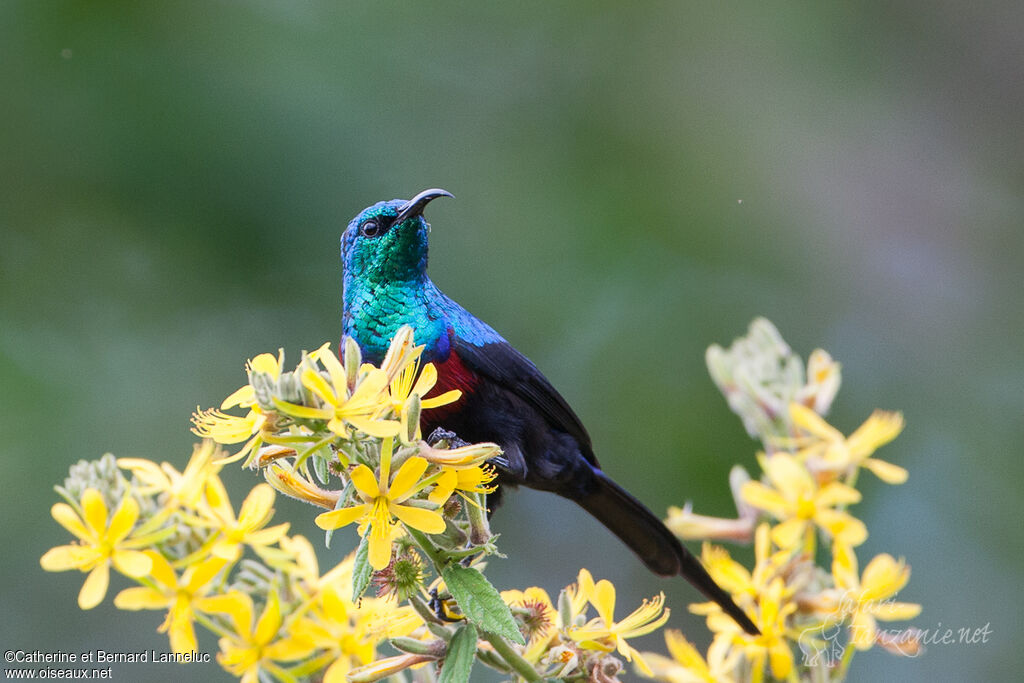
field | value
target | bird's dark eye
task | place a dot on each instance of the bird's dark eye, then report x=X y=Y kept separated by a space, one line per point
x=370 y=228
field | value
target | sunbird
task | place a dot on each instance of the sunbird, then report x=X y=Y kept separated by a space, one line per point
x=505 y=399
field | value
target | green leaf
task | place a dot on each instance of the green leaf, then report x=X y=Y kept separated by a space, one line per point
x=320 y=467
x=480 y=602
x=461 y=653
x=362 y=570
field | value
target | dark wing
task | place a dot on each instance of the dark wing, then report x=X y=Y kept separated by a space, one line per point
x=500 y=363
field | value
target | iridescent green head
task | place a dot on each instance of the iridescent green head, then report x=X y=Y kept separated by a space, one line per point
x=387 y=242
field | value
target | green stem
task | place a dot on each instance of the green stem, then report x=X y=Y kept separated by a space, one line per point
x=479 y=529
x=212 y=625
x=465 y=552
x=511 y=657
x=437 y=557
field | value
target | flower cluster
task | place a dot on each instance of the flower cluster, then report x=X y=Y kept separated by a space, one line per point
x=344 y=436
x=177 y=535
x=565 y=642
x=821 y=614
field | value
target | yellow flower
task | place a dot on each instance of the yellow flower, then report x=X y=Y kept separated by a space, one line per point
x=403 y=387
x=688 y=666
x=382 y=502
x=363 y=409
x=247 y=528
x=869 y=597
x=796 y=499
x=329 y=626
x=605 y=634
x=743 y=584
x=227 y=429
x=181 y=597
x=292 y=483
x=182 y=489
x=473 y=480
x=835 y=452
x=774 y=607
x=401 y=352
x=538 y=601
x=463 y=457
x=577 y=595
x=255 y=648
x=103 y=541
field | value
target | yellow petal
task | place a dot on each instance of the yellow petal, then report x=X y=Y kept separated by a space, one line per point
x=633 y=655
x=316 y=383
x=266 y=364
x=427 y=521
x=811 y=422
x=335 y=519
x=887 y=472
x=842 y=526
x=370 y=388
x=243 y=396
x=883 y=577
x=365 y=483
x=267 y=536
x=381 y=429
x=603 y=600
x=407 y=477
x=66 y=557
x=844 y=566
x=780 y=658
x=197 y=576
x=441 y=400
x=895 y=611
x=141 y=598
x=879 y=429
x=235 y=604
x=789 y=477
x=834 y=493
x=288 y=649
x=426 y=381
x=161 y=570
x=69 y=519
x=790 y=533
x=760 y=496
x=683 y=651
x=256 y=506
x=862 y=630
x=123 y=520
x=335 y=369
x=270 y=620
x=95 y=512
x=182 y=635
x=380 y=548
x=444 y=487
x=217 y=498
x=95 y=586
x=300 y=411
x=229 y=551
x=131 y=562
x=585 y=583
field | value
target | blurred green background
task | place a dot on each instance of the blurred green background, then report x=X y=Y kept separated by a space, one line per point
x=634 y=183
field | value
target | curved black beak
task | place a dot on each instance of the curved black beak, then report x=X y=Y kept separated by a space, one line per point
x=415 y=206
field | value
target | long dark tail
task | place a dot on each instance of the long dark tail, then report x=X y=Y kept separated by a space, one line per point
x=653 y=543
